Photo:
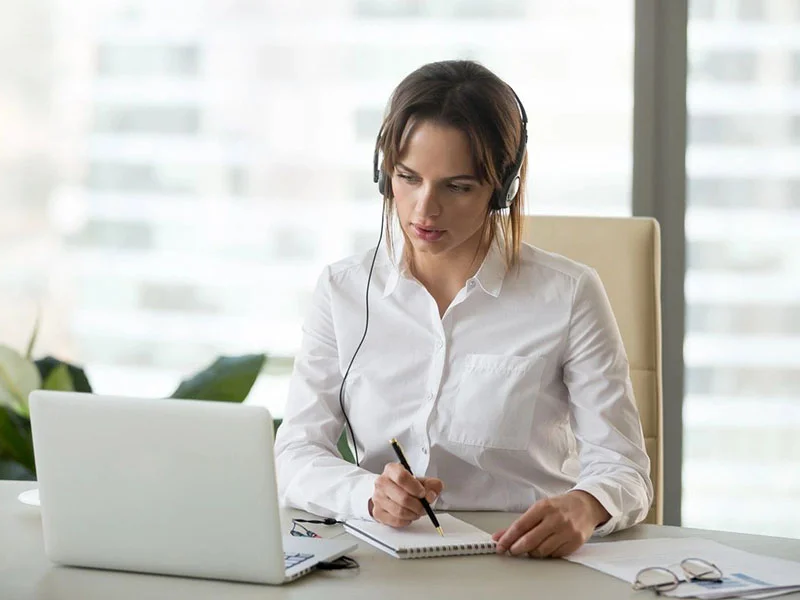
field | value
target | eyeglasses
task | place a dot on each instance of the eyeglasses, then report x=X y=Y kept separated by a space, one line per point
x=299 y=530
x=661 y=579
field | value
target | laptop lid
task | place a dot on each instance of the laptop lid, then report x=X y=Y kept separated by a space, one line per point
x=168 y=486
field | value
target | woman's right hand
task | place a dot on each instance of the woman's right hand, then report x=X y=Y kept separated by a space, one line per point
x=395 y=499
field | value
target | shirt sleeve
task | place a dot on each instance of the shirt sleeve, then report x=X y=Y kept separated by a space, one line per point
x=614 y=466
x=311 y=474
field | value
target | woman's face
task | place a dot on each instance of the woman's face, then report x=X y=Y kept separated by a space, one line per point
x=441 y=204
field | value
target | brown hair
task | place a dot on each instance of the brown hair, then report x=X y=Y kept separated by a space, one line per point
x=468 y=96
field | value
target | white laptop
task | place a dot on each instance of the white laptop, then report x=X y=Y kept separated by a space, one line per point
x=176 y=487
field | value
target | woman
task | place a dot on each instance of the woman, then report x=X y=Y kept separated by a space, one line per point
x=498 y=366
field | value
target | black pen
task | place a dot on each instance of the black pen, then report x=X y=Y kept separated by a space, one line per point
x=401 y=457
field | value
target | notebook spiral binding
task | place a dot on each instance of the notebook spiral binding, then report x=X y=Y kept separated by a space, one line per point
x=461 y=549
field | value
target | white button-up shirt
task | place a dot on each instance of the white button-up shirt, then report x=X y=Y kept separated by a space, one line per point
x=519 y=392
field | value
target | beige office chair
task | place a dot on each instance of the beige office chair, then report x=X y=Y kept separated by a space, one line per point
x=626 y=253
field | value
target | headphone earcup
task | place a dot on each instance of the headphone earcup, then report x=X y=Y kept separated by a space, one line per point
x=504 y=197
x=384 y=184
x=512 y=190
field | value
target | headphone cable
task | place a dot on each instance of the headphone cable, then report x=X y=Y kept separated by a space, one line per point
x=363 y=337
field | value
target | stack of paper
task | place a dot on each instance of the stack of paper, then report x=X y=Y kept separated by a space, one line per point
x=745 y=575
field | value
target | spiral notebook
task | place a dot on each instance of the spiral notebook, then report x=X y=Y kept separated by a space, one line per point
x=420 y=540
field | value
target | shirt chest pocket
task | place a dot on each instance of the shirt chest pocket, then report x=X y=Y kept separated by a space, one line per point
x=494 y=402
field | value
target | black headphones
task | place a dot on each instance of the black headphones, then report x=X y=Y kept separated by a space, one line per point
x=501 y=198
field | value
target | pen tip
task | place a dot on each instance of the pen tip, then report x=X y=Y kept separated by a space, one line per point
x=441 y=533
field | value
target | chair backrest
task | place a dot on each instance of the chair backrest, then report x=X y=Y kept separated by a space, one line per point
x=626 y=253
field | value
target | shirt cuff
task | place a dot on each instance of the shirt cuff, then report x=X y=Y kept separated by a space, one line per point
x=598 y=491
x=360 y=495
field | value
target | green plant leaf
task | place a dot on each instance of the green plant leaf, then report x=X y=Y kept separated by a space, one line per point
x=77 y=375
x=10 y=469
x=18 y=378
x=34 y=335
x=228 y=379
x=59 y=379
x=344 y=449
x=16 y=441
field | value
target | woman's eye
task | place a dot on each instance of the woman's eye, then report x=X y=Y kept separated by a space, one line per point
x=461 y=189
x=406 y=177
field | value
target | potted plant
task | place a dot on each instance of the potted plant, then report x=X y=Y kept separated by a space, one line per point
x=227 y=379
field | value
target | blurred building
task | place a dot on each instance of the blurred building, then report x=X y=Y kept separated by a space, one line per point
x=213 y=158
x=27 y=178
x=742 y=406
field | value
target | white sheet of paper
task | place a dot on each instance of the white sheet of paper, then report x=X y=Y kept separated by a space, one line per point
x=743 y=571
x=770 y=594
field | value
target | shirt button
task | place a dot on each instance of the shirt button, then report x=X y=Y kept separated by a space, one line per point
x=471 y=283
x=424 y=450
x=439 y=344
x=430 y=396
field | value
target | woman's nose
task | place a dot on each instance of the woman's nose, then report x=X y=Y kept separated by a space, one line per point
x=427 y=201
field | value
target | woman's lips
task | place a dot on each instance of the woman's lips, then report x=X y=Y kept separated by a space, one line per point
x=427 y=234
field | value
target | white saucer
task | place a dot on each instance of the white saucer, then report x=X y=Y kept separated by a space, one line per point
x=31 y=497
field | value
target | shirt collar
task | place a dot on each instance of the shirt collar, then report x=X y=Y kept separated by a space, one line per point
x=391 y=281
x=493 y=270
x=396 y=265
x=490 y=275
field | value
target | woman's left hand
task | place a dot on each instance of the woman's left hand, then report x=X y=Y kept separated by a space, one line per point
x=554 y=526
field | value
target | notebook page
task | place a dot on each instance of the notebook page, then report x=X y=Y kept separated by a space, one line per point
x=421 y=533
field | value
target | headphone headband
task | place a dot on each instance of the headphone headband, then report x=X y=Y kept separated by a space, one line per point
x=504 y=197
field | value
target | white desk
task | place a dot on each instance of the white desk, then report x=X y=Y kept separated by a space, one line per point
x=26 y=574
